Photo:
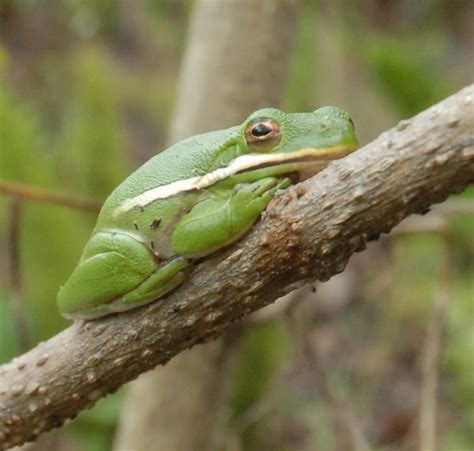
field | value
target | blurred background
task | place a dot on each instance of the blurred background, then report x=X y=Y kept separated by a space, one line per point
x=87 y=93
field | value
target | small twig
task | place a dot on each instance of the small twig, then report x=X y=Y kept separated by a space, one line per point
x=50 y=197
x=420 y=224
x=275 y=311
x=429 y=382
x=455 y=207
x=437 y=219
x=21 y=326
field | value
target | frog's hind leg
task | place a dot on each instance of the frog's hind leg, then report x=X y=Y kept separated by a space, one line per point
x=117 y=273
x=162 y=280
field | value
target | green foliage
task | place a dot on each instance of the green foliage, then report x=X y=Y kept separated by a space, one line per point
x=91 y=16
x=408 y=73
x=302 y=73
x=23 y=155
x=92 y=145
x=262 y=350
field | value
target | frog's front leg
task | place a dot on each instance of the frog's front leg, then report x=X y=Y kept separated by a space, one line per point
x=221 y=219
x=117 y=272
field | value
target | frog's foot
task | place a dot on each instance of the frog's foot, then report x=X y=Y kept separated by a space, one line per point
x=117 y=273
x=164 y=279
x=258 y=193
x=220 y=220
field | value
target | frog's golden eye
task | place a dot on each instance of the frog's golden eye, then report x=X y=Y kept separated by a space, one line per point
x=262 y=134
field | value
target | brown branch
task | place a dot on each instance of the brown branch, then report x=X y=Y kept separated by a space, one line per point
x=308 y=232
x=40 y=195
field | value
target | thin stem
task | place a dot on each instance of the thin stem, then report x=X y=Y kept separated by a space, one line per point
x=50 y=197
x=21 y=326
x=347 y=431
x=429 y=383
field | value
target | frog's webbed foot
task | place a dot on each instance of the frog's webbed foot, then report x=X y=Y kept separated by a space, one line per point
x=117 y=273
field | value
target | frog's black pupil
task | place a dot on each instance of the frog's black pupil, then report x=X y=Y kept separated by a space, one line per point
x=261 y=130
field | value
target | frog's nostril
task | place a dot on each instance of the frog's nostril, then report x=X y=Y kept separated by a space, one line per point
x=352 y=122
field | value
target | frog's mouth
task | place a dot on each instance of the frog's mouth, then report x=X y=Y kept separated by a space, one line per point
x=302 y=157
x=305 y=163
x=299 y=165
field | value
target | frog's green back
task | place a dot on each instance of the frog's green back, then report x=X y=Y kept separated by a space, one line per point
x=191 y=157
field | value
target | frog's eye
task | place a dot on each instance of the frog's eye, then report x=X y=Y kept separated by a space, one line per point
x=262 y=134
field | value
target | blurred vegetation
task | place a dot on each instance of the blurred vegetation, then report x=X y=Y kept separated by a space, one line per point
x=86 y=92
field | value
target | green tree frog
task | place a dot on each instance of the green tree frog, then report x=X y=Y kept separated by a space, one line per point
x=192 y=199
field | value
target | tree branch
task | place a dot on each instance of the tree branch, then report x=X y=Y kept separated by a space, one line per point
x=307 y=232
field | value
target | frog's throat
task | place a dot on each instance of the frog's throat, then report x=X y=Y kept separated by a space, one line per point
x=300 y=158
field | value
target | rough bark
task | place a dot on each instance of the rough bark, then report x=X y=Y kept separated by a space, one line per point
x=308 y=232
x=236 y=61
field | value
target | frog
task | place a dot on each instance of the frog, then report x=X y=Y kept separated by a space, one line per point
x=193 y=199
